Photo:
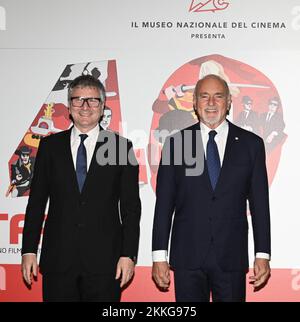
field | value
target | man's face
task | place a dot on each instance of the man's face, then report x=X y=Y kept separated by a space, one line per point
x=273 y=105
x=25 y=158
x=85 y=117
x=212 y=102
x=106 y=119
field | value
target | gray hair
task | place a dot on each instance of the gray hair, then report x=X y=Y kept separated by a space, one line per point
x=217 y=77
x=86 y=81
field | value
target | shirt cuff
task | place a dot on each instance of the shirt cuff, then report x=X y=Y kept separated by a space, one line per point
x=159 y=256
x=263 y=255
x=28 y=254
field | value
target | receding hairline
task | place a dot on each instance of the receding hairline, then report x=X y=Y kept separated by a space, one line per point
x=212 y=76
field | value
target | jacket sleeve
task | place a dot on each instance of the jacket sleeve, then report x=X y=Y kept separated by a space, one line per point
x=130 y=204
x=259 y=203
x=165 y=199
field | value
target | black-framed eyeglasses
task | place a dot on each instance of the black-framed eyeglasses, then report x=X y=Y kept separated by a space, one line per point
x=92 y=102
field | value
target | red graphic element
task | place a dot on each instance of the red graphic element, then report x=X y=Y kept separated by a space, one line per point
x=4 y=217
x=16 y=227
x=173 y=108
x=284 y=286
x=210 y=5
x=2 y=279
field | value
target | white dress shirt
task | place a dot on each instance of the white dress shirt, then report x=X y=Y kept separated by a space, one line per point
x=221 y=139
x=89 y=143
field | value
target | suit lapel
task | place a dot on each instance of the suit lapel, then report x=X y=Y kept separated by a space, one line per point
x=205 y=175
x=67 y=161
x=94 y=167
x=232 y=140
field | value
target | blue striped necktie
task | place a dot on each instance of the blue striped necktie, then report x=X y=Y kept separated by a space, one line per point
x=81 y=163
x=213 y=159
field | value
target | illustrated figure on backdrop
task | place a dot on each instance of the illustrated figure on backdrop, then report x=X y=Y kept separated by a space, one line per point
x=74 y=70
x=21 y=172
x=106 y=118
x=91 y=234
x=209 y=242
x=248 y=119
x=272 y=125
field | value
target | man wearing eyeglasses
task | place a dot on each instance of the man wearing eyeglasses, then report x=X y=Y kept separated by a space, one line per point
x=91 y=234
x=272 y=124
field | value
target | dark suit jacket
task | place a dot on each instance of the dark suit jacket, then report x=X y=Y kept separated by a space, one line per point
x=203 y=216
x=92 y=228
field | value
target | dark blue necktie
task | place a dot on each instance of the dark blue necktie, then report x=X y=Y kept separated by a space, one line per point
x=213 y=159
x=81 y=164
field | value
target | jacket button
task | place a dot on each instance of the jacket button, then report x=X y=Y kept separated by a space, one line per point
x=79 y=225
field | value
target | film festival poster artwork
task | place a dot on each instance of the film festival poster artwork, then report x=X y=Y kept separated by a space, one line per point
x=53 y=117
x=256 y=106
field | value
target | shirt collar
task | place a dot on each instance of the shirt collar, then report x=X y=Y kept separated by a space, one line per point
x=93 y=133
x=220 y=129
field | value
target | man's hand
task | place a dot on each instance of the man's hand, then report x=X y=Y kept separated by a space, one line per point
x=125 y=270
x=161 y=274
x=262 y=273
x=29 y=267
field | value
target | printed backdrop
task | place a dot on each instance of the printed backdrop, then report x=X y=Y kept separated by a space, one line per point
x=149 y=55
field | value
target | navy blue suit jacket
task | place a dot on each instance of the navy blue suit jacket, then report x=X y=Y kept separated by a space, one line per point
x=203 y=216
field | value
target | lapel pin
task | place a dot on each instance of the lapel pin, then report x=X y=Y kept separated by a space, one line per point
x=236 y=138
